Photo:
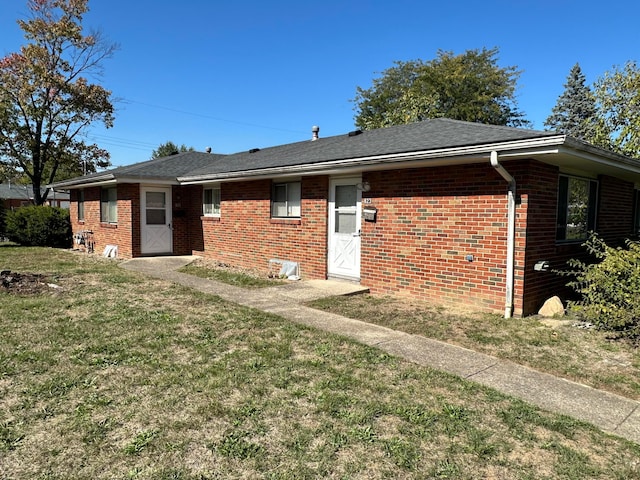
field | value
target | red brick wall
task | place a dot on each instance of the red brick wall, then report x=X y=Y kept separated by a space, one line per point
x=615 y=213
x=12 y=203
x=245 y=235
x=125 y=234
x=539 y=183
x=429 y=221
x=182 y=201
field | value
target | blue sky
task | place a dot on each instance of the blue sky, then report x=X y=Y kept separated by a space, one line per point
x=244 y=74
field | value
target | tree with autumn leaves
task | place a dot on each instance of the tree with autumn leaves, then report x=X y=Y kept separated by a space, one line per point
x=47 y=100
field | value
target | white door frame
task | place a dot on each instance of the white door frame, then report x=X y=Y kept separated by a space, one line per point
x=344 y=248
x=156 y=237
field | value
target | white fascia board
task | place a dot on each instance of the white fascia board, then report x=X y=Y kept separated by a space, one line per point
x=602 y=157
x=450 y=156
x=82 y=183
x=110 y=179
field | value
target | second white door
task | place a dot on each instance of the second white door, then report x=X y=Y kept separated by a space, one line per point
x=156 y=231
x=344 y=227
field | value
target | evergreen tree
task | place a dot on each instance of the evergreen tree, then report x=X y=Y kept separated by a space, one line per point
x=575 y=112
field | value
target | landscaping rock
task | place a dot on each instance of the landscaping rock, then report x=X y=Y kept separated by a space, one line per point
x=553 y=307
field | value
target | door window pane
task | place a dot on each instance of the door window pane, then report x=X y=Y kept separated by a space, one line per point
x=156 y=216
x=155 y=199
x=346 y=196
x=346 y=222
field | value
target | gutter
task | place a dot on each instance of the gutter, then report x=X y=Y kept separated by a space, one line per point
x=106 y=177
x=511 y=232
x=110 y=179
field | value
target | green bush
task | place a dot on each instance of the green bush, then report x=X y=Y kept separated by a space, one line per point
x=2 y=214
x=609 y=288
x=39 y=226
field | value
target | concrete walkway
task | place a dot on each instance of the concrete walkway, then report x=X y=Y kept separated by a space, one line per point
x=612 y=413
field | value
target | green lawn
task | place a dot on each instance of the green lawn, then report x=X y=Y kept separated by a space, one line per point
x=119 y=376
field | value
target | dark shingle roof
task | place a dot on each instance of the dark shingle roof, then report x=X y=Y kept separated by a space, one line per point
x=16 y=192
x=12 y=191
x=171 y=167
x=165 y=168
x=427 y=135
x=421 y=136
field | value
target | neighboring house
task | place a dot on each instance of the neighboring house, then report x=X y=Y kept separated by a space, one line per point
x=15 y=195
x=449 y=211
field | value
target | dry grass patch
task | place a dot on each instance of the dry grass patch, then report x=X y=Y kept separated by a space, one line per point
x=222 y=272
x=121 y=376
x=560 y=348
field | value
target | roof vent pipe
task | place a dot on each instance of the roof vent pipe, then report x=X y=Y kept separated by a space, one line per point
x=511 y=231
x=315 y=130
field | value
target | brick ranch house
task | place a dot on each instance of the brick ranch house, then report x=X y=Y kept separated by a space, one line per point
x=14 y=196
x=450 y=211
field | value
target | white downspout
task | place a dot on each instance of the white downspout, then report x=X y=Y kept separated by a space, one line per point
x=511 y=232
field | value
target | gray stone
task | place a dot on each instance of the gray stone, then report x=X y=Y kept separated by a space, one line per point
x=553 y=307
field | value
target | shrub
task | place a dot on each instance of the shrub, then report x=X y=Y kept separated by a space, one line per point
x=39 y=226
x=2 y=214
x=610 y=287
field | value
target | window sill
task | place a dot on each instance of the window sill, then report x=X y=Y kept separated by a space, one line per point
x=207 y=218
x=108 y=225
x=570 y=242
x=286 y=221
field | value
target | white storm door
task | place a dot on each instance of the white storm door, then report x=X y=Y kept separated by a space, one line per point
x=156 y=231
x=344 y=228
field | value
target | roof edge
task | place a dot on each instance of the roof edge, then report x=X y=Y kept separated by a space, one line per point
x=394 y=158
x=81 y=181
x=600 y=152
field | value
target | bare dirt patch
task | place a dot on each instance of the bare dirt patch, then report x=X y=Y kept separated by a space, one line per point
x=25 y=283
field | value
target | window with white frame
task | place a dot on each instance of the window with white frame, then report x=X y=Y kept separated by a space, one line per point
x=577 y=198
x=285 y=199
x=211 y=202
x=81 y=205
x=109 y=205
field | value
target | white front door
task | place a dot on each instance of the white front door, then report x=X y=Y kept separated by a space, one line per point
x=156 y=232
x=344 y=227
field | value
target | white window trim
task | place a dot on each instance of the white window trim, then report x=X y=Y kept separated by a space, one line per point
x=109 y=201
x=292 y=206
x=212 y=188
x=81 y=205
